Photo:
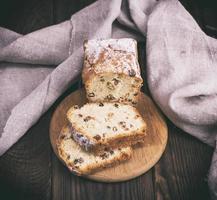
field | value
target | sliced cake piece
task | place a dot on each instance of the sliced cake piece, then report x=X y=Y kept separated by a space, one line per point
x=111 y=70
x=99 y=126
x=82 y=162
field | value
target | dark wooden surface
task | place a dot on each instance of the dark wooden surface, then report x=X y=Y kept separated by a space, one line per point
x=30 y=170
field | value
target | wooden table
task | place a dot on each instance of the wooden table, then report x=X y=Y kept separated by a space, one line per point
x=30 y=170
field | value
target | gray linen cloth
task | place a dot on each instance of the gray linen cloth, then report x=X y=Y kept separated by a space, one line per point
x=37 y=68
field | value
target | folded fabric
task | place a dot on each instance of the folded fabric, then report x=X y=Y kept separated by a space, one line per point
x=37 y=68
x=182 y=73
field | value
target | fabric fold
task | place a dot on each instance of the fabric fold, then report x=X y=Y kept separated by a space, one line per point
x=182 y=72
x=48 y=46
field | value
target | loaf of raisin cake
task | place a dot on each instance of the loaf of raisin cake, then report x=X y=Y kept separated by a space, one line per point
x=100 y=126
x=111 y=70
x=82 y=162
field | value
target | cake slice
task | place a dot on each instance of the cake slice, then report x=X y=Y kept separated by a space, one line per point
x=81 y=162
x=99 y=126
x=111 y=70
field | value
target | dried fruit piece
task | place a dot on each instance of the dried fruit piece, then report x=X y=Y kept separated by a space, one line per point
x=116 y=81
x=116 y=105
x=122 y=123
x=101 y=104
x=111 y=152
x=102 y=79
x=110 y=86
x=104 y=156
x=132 y=73
x=134 y=103
x=97 y=137
x=79 y=160
x=86 y=119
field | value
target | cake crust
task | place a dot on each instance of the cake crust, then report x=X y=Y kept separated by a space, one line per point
x=76 y=163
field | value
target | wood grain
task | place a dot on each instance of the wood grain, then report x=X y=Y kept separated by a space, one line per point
x=143 y=158
x=182 y=171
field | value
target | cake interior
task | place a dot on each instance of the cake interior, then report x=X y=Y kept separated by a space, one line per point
x=104 y=121
x=113 y=87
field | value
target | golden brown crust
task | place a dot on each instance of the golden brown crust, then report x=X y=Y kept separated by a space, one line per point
x=121 y=59
x=119 y=142
x=123 y=156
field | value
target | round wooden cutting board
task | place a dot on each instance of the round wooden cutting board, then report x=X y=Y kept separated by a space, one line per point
x=144 y=157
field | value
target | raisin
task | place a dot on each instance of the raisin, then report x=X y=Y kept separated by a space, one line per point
x=114 y=128
x=80 y=115
x=109 y=127
x=75 y=107
x=111 y=152
x=116 y=105
x=122 y=123
x=68 y=157
x=135 y=94
x=79 y=160
x=102 y=79
x=101 y=104
x=84 y=141
x=91 y=94
x=110 y=86
x=86 y=119
x=106 y=148
x=137 y=116
x=62 y=136
x=104 y=155
x=97 y=137
x=132 y=73
x=116 y=81
x=134 y=103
